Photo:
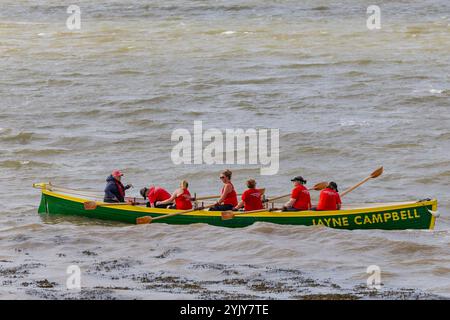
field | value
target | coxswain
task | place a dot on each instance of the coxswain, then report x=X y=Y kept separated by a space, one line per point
x=115 y=190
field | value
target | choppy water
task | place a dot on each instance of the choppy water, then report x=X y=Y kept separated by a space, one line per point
x=75 y=105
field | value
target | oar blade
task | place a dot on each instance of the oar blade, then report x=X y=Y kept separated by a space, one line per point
x=320 y=186
x=377 y=173
x=144 y=220
x=90 y=205
x=227 y=215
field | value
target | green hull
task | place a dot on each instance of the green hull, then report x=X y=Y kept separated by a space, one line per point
x=397 y=216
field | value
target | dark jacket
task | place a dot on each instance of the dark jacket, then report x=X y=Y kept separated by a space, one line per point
x=114 y=190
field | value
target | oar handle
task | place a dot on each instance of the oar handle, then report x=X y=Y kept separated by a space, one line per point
x=279 y=197
x=181 y=212
x=211 y=197
x=317 y=188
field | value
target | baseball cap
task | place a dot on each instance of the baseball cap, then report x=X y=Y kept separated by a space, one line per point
x=117 y=173
x=299 y=178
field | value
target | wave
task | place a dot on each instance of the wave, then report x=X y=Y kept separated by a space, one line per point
x=18 y=164
x=22 y=137
x=146 y=111
x=320 y=8
x=139 y=101
x=147 y=123
x=40 y=152
x=406 y=248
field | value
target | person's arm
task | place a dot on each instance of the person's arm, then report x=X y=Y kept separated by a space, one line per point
x=339 y=202
x=292 y=200
x=152 y=198
x=228 y=188
x=170 y=200
x=239 y=205
x=290 y=203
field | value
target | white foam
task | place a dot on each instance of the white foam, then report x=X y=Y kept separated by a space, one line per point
x=228 y=32
x=436 y=91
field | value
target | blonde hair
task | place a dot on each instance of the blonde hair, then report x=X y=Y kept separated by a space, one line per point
x=251 y=183
x=227 y=173
x=184 y=184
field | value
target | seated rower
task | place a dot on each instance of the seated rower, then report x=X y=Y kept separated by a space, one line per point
x=181 y=196
x=155 y=193
x=251 y=198
x=228 y=196
x=329 y=198
x=115 y=190
x=300 y=197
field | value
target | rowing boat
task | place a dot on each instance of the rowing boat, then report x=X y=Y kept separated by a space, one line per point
x=389 y=216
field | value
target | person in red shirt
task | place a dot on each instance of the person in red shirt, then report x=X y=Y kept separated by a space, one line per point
x=181 y=196
x=300 y=197
x=251 y=198
x=154 y=193
x=228 y=197
x=329 y=198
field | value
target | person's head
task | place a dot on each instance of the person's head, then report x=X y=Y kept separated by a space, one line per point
x=117 y=174
x=333 y=185
x=225 y=176
x=184 y=184
x=251 y=183
x=298 y=180
x=144 y=192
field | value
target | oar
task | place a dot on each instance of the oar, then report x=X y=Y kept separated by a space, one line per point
x=226 y=215
x=373 y=175
x=149 y=219
x=210 y=197
x=92 y=205
x=263 y=190
x=318 y=186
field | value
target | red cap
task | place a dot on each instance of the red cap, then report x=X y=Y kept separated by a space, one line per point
x=117 y=173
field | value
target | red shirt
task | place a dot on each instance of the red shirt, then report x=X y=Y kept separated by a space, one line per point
x=252 y=200
x=231 y=197
x=157 y=194
x=183 y=201
x=329 y=199
x=302 y=198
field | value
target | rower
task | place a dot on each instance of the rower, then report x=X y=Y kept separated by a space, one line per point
x=115 y=190
x=228 y=197
x=181 y=196
x=329 y=198
x=155 y=193
x=300 y=197
x=251 y=198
